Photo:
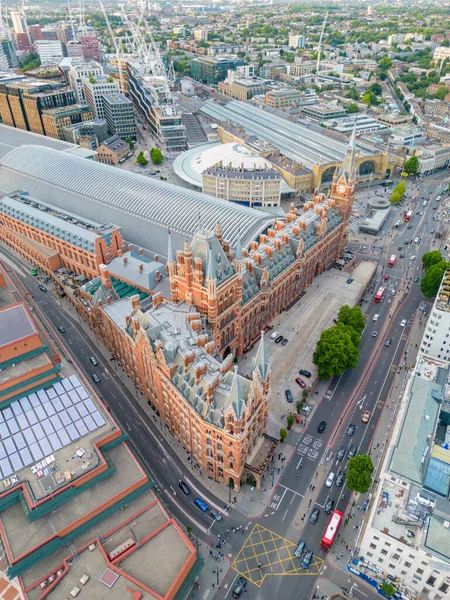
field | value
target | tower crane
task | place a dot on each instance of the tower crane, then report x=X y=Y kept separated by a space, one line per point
x=320 y=43
x=117 y=46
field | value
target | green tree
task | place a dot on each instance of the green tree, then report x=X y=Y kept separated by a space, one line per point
x=283 y=434
x=352 y=94
x=130 y=141
x=441 y=93
x=335 y=352
x=385 y=63
x=376 y=89
x=388 y=589
x=431 y=281
x=141 y=160
x=369 y=99
x=398 y=193
x=411 y=166
x=298 y=406
x=445 y=43
x=352 y=316
x=359 y=473
x=431 y=258
x=156 y=156
x=352 y=108
x=290 y=421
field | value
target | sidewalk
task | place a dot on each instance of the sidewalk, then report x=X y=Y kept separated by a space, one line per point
x=213 y=573
x=354 y=513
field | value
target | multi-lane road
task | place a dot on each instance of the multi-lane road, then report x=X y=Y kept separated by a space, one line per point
x=364 y=388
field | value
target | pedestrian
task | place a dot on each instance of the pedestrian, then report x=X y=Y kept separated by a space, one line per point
x=346 y=546
x=213 y=585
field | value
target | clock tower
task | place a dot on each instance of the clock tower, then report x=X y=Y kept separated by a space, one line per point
x=344 y=183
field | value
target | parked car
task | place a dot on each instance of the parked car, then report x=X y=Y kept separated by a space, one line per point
x=215 y=515
x=330 y=479
x=375 y=317
x=240 y=586
x=314 y=516
x=328 y=506
x=299 y=550
x=284 y=342
x=61 y=329
x=304 y=373
x=340 y=479
x=279 y=339
x=95 y=378
x=352 y=451
x=350 y=280
x=388 y=342
x=300 y=382
x=307 y=559
x=201 y=505
x=274 y=335
x=351 y=429
x=366 y=416
x=184 y=488
x=93 y=360
x=322 y=426
x=289 y=396
x=403 y=323
x=340 y=453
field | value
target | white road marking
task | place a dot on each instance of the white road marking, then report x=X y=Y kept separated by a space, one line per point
x=285 y=514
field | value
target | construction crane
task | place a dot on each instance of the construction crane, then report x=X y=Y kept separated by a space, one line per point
x=74 y=37
x=117 y=46
x=320 y=43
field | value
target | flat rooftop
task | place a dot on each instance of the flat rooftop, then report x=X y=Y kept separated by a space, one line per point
x=15 y=325
x=22 y=535
x=21 y=368
x=161 y=546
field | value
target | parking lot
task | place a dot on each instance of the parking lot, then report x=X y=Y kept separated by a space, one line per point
x=302 y=325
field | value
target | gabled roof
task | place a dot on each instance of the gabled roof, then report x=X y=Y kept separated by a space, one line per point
x=216 y=265
x=261 y=361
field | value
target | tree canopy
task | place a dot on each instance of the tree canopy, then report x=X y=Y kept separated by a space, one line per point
x=411 y=166
x=141 y=160
x=359 y=473
x=352 y=108
x=387 y=588
x=431 y=258
x=156 y=156
x=352 y=316
x=398 y=193
x=335 y=352
x=431 y=281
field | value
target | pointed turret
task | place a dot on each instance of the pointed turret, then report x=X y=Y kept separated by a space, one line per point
x=260 y=361
x=171 y=258
x=348 y=164
x=236 y=396
x=210 y=264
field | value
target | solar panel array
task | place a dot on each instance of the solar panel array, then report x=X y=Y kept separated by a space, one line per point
x=43 y=422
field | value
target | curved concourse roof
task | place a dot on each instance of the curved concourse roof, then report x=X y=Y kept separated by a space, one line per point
x=144 y=208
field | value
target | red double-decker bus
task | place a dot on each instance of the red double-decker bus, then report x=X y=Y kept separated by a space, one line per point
x=379 y=295
x=409 y=215
x=392 y=260
x=331 y=530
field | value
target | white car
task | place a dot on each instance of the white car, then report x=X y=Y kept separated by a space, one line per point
x=375 y=317
x=416 y=241
x=330 y=479
x=274 y=335
x=403 y=323
x=413 y=257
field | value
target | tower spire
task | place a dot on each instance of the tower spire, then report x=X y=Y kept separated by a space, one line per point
x=260 y=361
x=238 y=249
x=210 y=266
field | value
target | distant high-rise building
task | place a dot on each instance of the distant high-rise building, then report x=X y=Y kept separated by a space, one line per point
x=19 y=22
x=95 y=87
x=119 y=115
x=49 y=33
x=90 y=47
x=23 y=42
x=35 y=33
x=74 y=49
x=296 y=41
x=9 y=53
x=50 y=51
x=80 y=69
x=201 y=35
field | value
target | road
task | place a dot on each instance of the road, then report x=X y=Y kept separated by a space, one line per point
x=364 y=388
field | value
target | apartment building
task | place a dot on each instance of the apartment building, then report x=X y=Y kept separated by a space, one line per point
x=283 y=98
x=79 y=70
x=50 y=51
x=119 y=115
x=90 y=47
x=296 y=41
x=95 y=88
x=433 y=158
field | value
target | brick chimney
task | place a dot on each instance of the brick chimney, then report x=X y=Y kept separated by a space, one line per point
x=135 y=301
x=125 y=261
x=157 y=299
x=141 y=251
x=141 y=268
x=104 y=274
